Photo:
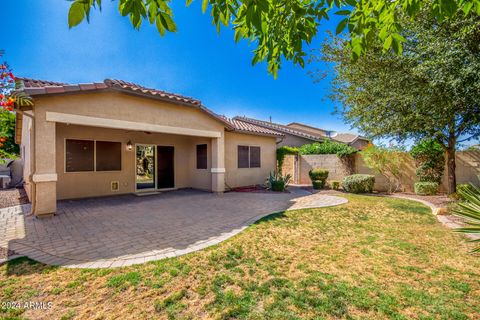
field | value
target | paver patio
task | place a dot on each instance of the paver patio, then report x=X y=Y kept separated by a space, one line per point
x=125 y=230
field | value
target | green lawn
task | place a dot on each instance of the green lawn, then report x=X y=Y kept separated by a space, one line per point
x=373 y=258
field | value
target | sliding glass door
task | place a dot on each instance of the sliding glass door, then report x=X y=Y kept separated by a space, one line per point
x=145 y=167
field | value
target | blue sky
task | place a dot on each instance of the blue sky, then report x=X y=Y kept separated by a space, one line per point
x=195 y=61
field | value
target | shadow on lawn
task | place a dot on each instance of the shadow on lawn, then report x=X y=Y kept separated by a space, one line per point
x=24 y=266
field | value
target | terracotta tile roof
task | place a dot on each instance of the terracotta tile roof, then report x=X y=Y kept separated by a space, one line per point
x=244 y=126
x=280 y=128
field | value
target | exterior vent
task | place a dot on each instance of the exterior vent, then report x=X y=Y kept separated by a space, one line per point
x=115 y=185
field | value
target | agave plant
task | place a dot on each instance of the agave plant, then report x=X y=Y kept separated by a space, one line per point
x=277 y=182
x=470 y=210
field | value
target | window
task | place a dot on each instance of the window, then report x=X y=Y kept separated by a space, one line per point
x=108 y=156
x=248 y=157
x=89 y=155
x=243 y=158
x=79 y=155
x=201 y=156
x=254 y=157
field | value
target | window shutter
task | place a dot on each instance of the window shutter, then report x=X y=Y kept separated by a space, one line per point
x=109 y=156
x=243 y=161
x=254 y=157
x=79 y=155
x=202 y=156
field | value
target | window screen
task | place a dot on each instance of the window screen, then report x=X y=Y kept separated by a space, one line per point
x=79 y=155
x=254 y=157
x=243 y=157
x=201 y=156
x=109 y=156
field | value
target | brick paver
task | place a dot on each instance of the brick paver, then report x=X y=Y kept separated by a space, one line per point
x=125 y=230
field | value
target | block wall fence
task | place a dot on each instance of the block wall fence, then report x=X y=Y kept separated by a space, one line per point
x=468 y=169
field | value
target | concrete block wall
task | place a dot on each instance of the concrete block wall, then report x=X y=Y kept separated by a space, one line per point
x=468 y=169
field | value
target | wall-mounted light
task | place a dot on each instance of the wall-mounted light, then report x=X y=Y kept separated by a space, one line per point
x=129 y=145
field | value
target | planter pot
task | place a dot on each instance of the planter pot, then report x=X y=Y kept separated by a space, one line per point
x=318 y=184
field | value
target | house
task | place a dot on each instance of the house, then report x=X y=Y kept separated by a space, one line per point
x=297 y=134
x=115 y=137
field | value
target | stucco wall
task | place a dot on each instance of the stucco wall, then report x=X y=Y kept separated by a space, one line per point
x=237 y=177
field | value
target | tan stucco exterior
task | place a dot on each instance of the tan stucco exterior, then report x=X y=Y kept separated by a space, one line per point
x=122 y=117
x=237 y=177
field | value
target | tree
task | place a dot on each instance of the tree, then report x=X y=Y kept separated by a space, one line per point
x=281 y=28
x=431 y=90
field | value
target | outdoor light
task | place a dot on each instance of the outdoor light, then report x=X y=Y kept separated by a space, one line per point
x=129 y=145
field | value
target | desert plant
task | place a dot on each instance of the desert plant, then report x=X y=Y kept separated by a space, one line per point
x=318 y=177
x=277 y=182
x=388 y=162
x=335 y=184
x=426 y=188
x=429 y=158
x=469 y=209
x=358 y=183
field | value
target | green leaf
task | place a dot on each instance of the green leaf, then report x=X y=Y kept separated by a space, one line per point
x=204 y=5
x=76 y=14
x=168 y=22
x=341 y=26
x=189 y=2
x=388 y=43
x=343 y=12
x=159 y=24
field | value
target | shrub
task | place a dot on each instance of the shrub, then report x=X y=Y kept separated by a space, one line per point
x=281 y=153
x=389 y=162
x=359 y=183
x=277 y=182
x=426 y=188
x=327 y=147
x=429 y=158
x=335 y=184
x=318 y=177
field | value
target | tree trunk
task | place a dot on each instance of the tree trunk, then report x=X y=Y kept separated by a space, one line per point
x=452 y=179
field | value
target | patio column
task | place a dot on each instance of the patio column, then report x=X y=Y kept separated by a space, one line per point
x=218 y=164
x=44 y=175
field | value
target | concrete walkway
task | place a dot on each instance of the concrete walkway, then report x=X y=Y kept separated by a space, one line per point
x=125 y=230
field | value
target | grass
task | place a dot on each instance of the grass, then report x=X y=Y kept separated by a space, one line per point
x=373 y=258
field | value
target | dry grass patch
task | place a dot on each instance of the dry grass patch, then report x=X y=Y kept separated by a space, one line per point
x=373 y=258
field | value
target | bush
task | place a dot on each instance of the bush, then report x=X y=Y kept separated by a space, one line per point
x=327 y=147
x=277 y=182
x=281 y=153
x=429 y=158
x=389 y=162
x=318 y=177
x=358 y=183
x=426 y=188
x=335 y=184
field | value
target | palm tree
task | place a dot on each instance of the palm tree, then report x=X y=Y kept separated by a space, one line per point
x=469 y=209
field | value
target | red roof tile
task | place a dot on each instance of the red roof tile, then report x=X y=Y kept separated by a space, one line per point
x=243 y=126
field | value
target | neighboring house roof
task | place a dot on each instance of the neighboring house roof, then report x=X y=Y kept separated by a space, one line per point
x=252 y=128
x=279 y=128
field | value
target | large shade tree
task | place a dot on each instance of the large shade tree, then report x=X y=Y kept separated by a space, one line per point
x=431 y=90
x=281 y=28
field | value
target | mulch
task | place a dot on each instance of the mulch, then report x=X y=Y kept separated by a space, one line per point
x=13 y=197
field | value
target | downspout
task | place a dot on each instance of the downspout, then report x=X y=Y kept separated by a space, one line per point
x=32 y=159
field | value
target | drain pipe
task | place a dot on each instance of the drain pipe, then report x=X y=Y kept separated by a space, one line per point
x=32 y=159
